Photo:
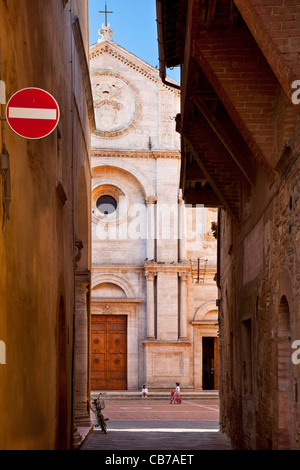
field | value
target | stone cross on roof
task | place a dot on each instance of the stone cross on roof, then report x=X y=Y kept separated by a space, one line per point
x=106 y=32
x=106 y=12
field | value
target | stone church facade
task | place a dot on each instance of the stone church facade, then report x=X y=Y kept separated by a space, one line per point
x=153 y=298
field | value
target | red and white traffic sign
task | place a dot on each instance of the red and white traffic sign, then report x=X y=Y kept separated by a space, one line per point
x=32 y=113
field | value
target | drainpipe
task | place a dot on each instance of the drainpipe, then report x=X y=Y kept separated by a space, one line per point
x=161 y=53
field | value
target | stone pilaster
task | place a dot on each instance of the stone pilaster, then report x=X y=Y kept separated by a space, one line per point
x=182 y=229
x=81 y=350
x=150 y=203
x=183 y=305
x=150 y=275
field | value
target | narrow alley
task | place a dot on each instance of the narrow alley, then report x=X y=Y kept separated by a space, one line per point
x=150 y=227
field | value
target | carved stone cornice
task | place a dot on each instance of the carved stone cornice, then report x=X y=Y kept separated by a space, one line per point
x=134 y=154
x=167 y=267
x=107 y=302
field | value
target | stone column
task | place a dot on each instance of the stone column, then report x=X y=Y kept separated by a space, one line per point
x=181 y=229
x=150 y=203
x=183 y=305
x=150 y=275
x=81 y=350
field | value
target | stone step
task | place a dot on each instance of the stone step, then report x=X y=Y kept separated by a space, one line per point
x=156 y=394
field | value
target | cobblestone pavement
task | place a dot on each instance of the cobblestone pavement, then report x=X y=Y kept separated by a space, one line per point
x=158 y=425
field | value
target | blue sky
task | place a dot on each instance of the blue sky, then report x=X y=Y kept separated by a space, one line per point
x=134 y=26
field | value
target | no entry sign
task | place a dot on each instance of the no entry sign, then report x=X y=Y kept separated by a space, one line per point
x=32 y=113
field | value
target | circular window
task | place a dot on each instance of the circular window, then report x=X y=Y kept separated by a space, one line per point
x=109 y=204
x=106 y=204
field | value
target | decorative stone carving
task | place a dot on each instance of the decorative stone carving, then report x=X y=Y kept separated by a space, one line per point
x=78 y=248
x=106 y=32
x=106 y=309
x=117 y=104
x=150 y=200
x=184 y=275
x=150 y=275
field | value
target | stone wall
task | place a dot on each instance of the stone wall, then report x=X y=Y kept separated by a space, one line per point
x=259 y=380
x=50 y=193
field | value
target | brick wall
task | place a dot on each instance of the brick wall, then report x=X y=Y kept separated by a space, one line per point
x=275 y=26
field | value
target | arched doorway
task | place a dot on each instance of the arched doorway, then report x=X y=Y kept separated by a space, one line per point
x=206 y=363
x=284 y=375
x=114 y=334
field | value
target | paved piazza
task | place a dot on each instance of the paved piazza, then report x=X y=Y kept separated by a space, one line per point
x=158 y=425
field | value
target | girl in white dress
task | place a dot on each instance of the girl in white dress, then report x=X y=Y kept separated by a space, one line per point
x=144 y=391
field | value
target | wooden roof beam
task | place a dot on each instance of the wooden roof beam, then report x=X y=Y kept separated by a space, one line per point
x=211 y=181
x=211 y=11
x=224 y=138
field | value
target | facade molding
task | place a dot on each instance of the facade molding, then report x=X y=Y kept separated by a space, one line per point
x=110 y=161
x=135 y=154
x=203 y=310
x=102 y=278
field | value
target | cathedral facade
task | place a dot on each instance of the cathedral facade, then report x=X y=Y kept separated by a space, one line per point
x=153 y=300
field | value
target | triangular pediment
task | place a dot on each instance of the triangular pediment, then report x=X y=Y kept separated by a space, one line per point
x=126 y=57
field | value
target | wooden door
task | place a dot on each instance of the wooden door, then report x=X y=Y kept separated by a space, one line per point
x=109 y=352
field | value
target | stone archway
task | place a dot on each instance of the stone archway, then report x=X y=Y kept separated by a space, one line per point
x=102 y=162
x=119 y=281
